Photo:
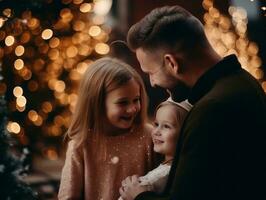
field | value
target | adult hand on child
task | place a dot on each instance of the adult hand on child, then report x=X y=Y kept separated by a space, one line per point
x=131 y=187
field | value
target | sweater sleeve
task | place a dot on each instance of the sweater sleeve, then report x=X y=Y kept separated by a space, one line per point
x=71 y=185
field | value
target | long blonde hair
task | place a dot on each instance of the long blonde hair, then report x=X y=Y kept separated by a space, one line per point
x=101 y=76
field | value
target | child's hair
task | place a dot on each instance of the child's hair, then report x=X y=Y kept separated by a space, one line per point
x=182 y=109
x=101 y=77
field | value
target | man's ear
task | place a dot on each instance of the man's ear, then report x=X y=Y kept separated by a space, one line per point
x=171 y=62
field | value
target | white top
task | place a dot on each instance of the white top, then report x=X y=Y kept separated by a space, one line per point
x=157 y=178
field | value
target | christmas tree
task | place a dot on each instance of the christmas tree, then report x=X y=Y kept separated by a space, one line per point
x=11 y=167
x=45 y=46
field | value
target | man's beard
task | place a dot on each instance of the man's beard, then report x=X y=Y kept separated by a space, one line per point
x=180 y=92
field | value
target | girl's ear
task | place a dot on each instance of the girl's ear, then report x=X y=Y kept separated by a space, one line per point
x=171 y=63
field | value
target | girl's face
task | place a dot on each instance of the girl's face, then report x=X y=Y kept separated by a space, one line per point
x=166 y=131
x=122 y=105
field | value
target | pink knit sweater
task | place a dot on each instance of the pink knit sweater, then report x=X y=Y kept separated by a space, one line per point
x=83 y=177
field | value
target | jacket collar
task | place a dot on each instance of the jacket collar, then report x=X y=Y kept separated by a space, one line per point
x=226 y=66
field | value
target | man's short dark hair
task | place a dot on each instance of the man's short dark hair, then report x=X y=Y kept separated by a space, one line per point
x=169 y=27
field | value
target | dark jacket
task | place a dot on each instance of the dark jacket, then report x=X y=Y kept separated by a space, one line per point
x=221 y=153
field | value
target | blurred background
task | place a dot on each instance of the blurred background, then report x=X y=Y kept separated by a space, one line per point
x=46 y=45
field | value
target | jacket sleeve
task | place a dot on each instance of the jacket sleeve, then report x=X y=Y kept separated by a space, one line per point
x=71 y=185
x=151 y=196
x=203 y=148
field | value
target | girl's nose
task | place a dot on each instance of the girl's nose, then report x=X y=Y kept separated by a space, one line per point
x=132 y=109
x=156 y=131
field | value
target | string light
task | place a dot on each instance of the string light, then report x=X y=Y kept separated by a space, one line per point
x=102 y=7
x=19 y=51
x=47 y=107
x=102 y=48
x=77 y=1
x=17 y=91
x=18 y=64
x=2 y=22
x=94 y=31
x=50 y=152
x=85 y=7
x=79 y=25
x=32 y=115
x=71 y=51
x=21 y=101
x=7 y=12
x=47 y=34
x=54 y=42
x=231 y=37
x=9 y=41
x=13 y=127
x=48 y=64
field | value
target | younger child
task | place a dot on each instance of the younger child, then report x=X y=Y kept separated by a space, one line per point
x=168 y=122
x=108 y=135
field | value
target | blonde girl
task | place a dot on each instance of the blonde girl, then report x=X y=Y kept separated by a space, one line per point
x=169 y=118
x=109 y=135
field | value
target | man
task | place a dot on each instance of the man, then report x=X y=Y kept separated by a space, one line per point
x=222 y=148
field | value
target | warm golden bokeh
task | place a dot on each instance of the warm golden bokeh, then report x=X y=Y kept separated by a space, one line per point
x=85 y=7
x=102 y=48
x=17 y=91
x=45 y=60
x=18 y=64
x=9 y=41
x=230 y=36
x=19 y=51
x=47 y=34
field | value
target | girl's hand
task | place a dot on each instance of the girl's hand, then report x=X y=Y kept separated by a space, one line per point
x=131 y=188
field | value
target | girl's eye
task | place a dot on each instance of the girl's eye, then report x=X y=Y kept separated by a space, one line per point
x=166 y=126
x=122 y=102
x=156 y=124
x=136 y=100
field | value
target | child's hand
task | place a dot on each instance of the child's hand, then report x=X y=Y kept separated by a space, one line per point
x=131 y=187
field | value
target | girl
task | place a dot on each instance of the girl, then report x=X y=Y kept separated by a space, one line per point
x=168 y=122
x=107 y=135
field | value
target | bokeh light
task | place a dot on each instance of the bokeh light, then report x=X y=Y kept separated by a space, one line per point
x=13 y=127
x=102 y=48
x=18 y=91
x=47 y=34
x=85 y=7
x=19 y=51
x=18 y=64
x=9 y=41
x=94 y=31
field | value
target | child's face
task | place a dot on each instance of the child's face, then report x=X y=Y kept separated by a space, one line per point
x=122 y=105
x=166 y=131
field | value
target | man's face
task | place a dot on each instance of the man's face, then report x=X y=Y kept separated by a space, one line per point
x=154 y=66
